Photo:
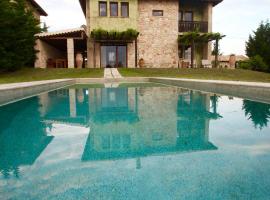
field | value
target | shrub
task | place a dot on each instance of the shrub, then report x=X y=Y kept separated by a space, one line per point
x=254 y=63
x=259 y=44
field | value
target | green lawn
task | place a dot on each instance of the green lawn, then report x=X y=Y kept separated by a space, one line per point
x=209 y=74
x=30 y=74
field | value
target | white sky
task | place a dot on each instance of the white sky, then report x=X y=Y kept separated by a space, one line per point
x=234 y=18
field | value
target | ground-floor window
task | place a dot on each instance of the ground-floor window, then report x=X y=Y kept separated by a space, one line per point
x=113 y=56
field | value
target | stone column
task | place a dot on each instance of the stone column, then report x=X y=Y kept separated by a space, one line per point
x=70 y=52
x=44 y=102
x=38 y=54
x=72 y=102
x=210 y=28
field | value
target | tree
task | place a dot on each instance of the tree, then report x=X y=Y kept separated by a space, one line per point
x=258 y=113
x=18 y=27
x=44 y=28
x=259 y=44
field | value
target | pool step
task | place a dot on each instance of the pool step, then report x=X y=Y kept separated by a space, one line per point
x=111 y=73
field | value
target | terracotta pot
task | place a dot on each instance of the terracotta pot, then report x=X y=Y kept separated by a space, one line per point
x=79 y=60
x=141 y=63
x=80 y=96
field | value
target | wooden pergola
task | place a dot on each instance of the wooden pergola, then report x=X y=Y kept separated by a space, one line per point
x=193 y=38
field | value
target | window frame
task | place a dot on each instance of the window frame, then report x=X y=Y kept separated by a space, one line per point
x=114 y=3
x=181 y=15
x=99 y=10
x=121 y=6
x=157 y=11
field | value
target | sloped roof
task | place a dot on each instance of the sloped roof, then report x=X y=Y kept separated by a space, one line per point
x=226 y=58
x=83 y=5
x=62 y=33
x=38 y=8
x=215 y=2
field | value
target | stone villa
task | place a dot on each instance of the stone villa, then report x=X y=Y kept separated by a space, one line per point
x=158 y=23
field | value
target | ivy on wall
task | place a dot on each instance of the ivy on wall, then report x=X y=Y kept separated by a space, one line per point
x=101 y=34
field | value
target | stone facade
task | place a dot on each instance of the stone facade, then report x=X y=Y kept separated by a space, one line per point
x=157 y=42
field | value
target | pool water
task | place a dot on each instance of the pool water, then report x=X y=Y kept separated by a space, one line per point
x=134 y=142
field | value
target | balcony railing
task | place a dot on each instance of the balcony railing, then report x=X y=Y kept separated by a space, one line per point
x=188 y=26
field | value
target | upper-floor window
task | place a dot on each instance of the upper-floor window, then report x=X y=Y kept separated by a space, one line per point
x=114 y=9
x=157 y=13
x=124 y=9
x=188 y=16
x=103 y=8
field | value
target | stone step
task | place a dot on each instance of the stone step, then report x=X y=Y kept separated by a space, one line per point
x=111 y=73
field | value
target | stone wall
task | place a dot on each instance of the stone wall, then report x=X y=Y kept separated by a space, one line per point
x=157 y=42
x=46 y=51
x=131 y=55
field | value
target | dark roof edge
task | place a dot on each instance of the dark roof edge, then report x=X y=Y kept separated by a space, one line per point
x=215 y=2
x=38 y=7
x=83 y=6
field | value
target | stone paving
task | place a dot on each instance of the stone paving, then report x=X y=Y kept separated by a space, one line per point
x=248 y=90
x=111 y=73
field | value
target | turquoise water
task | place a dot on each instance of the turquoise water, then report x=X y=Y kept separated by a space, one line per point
x=134 y=142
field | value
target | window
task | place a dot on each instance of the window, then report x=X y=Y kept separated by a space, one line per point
x=188 y=16
x=102 y=8
x=124 y=9
x=114 y=9
x=157 y=12
x=113 y=56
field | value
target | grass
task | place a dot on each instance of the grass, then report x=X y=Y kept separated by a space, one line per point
x=30 y=74
x=208 y=74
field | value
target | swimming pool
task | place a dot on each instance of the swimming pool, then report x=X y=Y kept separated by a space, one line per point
x=132 y=141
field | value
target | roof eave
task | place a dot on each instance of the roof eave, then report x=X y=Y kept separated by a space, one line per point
x=214 y=2
x=41 y=11
x=83 y=6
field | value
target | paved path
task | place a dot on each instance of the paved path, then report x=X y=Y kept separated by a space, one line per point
x=110 y=73
x=8 y=86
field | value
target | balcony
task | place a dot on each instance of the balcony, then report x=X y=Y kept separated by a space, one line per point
x=188 y=26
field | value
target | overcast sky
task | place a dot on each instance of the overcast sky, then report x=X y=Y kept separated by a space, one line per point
x=234 y=18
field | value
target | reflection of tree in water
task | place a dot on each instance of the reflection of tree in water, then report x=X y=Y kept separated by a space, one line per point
x=214 y=102
x=22 y=136
x=259 y=113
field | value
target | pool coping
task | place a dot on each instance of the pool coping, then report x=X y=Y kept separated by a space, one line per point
x=249 y=90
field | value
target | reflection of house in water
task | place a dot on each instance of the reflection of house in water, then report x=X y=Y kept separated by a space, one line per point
x=65 y=106
x=22 y=136
x=129 y=122
x=193 y=121
x=113 y=105
x=125 y=122
x=165 y=123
